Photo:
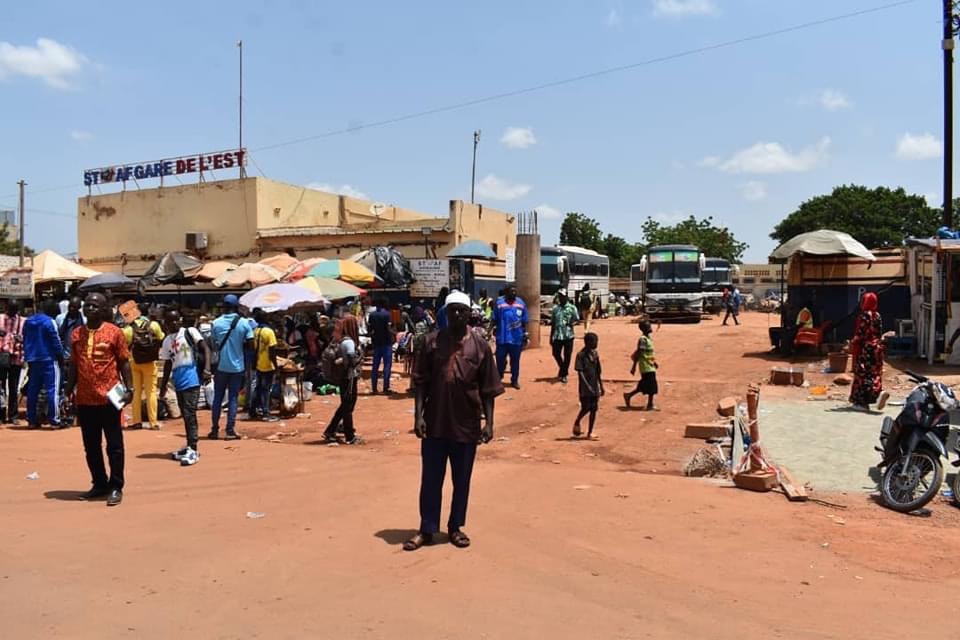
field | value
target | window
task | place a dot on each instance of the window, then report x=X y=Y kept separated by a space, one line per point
x=495 y=247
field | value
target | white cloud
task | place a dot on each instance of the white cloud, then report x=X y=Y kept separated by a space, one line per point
x=81 y=136
x=670 y=218
x=50 y=61
x=518 y=138
x=833 y=100
x=753 y=190
x=684 y=7
x=499 y=189
x=547 y=212
x=343 y=190
x=923 y=146
x=614 y=19
x=710 y=161
x=772 y=157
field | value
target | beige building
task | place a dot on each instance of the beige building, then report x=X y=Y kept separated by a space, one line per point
x=244 y=219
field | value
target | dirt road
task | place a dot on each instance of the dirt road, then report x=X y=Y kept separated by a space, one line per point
x=571 y=539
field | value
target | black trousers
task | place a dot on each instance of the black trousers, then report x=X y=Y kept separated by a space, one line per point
x=731 y=313
x=434 y=453
x=102 y=420
x=344 y=414
x=562 y=352
x=188 y=400
x=10 y=376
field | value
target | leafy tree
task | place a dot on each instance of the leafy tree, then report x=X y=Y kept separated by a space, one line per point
x=11 y=246
x=713 y=240
x=578 y=230
x=622 y=255
x=879 y=217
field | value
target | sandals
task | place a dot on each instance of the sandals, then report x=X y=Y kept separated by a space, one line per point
x=418 y=541
x=459 y=539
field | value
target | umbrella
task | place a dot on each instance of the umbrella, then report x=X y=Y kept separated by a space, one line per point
x=330 y=289
x=49 y=266
x=108 y=281
x=281 y=262
x=280 y=297
x=346 y=271
x=215 y=269
x=473 y=249
x=822 y=243
x=173 y=268
x=248 y=274
x=304 y=267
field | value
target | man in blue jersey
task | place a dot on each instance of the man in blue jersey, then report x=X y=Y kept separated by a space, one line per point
x=510 y=322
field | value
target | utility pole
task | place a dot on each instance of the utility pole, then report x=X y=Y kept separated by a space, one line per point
x=473 y=173
x=950 y=24
x=20 y=220
x=243 y=171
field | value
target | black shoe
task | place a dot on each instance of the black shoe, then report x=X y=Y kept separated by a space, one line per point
x=515 y=385
x=213 y=435
x=136 y=427
x=269 y=418
x=115 y=498
x=94 y=493
x=232 y=435
x=563 y=379
x=33 y=426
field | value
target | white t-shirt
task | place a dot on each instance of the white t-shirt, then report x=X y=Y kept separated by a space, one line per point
x=176 y=348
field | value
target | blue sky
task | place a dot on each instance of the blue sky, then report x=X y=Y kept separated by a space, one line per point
x=743 y=133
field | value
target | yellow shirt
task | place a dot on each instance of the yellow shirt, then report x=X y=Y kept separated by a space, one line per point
x=154 y=326
x=263 y=339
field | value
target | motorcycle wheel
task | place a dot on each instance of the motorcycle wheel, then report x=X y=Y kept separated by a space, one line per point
x=956 y=488
x=899 y=486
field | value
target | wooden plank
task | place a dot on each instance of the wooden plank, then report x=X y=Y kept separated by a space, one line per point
x=795 y=491
x=704 y=431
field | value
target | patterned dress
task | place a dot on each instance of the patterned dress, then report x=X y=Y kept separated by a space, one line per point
x=867 y=351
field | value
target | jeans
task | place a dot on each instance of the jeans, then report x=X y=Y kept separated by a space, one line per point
x=263 y=388
x=96 y=420
x=11 y=376
x=382 y=354
x=188 y=399
x=562 y=352
x=43 y=375
x=513 y=351
x=434 y=453
x=344 y=414
x=229 y=383
x=144 y=391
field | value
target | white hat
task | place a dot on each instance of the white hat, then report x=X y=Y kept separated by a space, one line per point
x=458 y=297
x=561 y=292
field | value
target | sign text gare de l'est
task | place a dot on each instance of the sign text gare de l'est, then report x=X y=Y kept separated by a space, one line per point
x=169 y=167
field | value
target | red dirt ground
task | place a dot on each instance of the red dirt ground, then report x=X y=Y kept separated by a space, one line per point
x=571 y=538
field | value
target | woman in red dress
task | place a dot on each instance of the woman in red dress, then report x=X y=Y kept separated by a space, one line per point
x=867 y=351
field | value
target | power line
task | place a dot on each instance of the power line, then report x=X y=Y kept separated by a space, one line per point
x=588 y=76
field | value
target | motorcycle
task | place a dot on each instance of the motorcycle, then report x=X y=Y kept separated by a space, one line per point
x=913 y=444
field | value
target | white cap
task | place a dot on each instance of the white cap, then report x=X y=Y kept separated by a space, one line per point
x=561 y=292
x=458 y=297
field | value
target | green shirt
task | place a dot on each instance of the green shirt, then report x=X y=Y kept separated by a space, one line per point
x=562 y=318
x=644 y=355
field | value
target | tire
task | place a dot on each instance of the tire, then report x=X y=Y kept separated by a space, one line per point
x=956 y=488
x=899 y=494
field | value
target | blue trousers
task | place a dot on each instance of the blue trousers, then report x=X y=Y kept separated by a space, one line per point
x=229 y=383
x=434 y=453
x=264 y=386
x=44 y=375
x=384 y=355
x=513 y=351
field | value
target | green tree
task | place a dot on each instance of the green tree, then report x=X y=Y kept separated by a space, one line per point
x=713 y=240
x=622 y=255
x=11 y=246
x=879 y=217
x=578 y=230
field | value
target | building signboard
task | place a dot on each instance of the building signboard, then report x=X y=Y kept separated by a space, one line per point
x=17 y=283
x=430 y=276
x=169 y=167
x=511 y=266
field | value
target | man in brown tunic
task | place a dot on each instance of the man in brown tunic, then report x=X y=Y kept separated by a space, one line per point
x=456 y=380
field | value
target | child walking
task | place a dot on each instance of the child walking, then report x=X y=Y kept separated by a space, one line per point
x=644 y=359
x=591 y=383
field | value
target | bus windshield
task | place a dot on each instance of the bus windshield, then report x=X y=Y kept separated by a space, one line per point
x=674 y=266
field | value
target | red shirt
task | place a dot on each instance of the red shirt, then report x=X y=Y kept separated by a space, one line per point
x=97 y=355
x=12 y=343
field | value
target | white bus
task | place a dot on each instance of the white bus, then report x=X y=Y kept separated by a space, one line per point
x=572 y=268
x=636 y=280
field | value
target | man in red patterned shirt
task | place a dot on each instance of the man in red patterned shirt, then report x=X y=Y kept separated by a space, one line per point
x=11 y=358
x=99 y=360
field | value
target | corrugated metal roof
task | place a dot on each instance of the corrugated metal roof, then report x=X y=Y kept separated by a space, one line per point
x=935 y=244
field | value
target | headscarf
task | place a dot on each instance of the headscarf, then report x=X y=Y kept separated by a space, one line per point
x=869 y=302
x=347 y=327
x=417 y=313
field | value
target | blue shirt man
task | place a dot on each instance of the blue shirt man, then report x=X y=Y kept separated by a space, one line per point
x=383 y=337
x=43 y=352
x=229 y=335
x=510 y=318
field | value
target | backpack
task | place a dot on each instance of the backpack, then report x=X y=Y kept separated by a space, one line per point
x=332 y=372
x=145 y=347
x=584 y=302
